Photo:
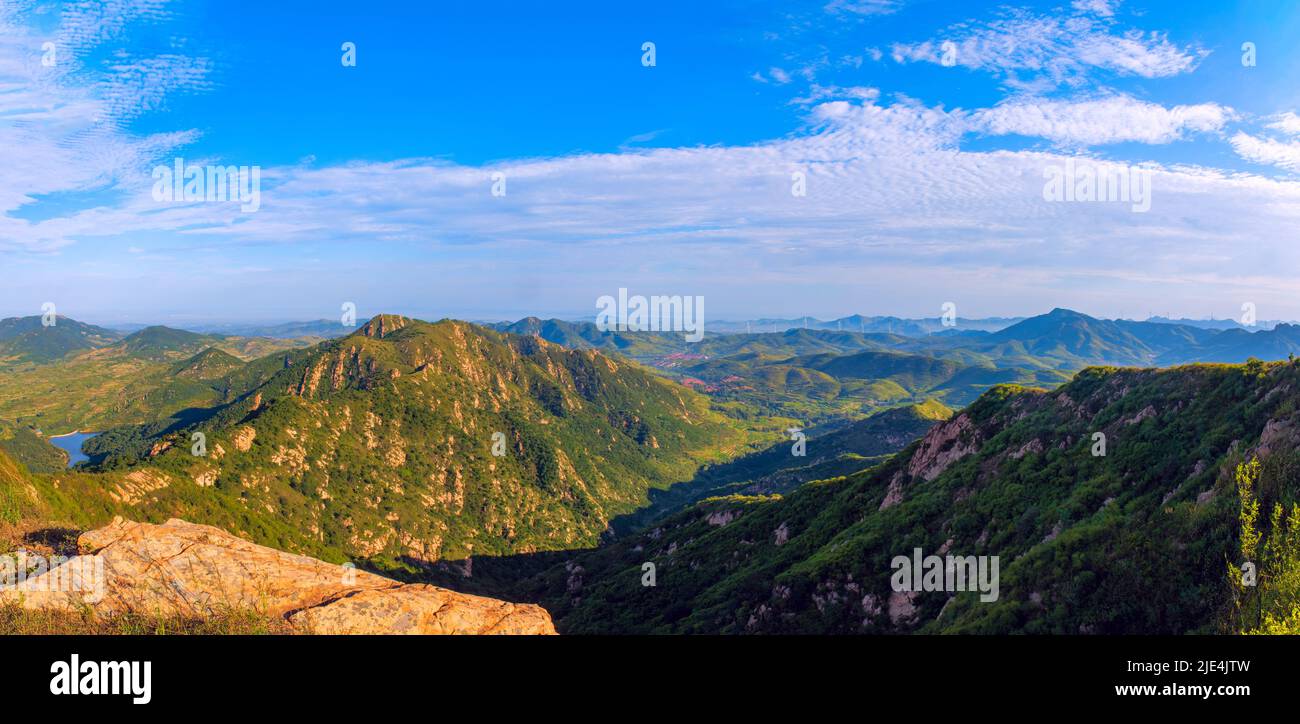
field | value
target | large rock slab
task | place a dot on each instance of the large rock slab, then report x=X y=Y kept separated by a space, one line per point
x=180 y=568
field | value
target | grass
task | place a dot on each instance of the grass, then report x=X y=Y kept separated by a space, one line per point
x=15 y=620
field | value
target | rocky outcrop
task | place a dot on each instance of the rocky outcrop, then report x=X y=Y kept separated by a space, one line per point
x=943 y=445
x=195 y=570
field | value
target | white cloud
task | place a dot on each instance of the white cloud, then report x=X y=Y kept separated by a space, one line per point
x=818 y=93
x=1288 y=123
x=1283 y=154
x=1029 y=49
x=864 y=7
x=1104 y=8
x=61 y=126
x=1113 y=119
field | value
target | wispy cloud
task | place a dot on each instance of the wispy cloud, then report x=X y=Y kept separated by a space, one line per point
x=1104 y=8
x=1031 y=50
x=1092 y=122
x=864 y=7
x=1268 y=151
x=61 y=123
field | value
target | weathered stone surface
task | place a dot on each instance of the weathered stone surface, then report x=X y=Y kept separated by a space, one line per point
x=943 y=445
x=421 y=609
x=195 y=570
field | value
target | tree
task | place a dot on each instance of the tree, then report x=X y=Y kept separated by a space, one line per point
x=1266 y=582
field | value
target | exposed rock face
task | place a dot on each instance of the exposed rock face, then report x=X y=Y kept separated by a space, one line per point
x=943 y=445
x=421 y=609
x=244 y=437
x=193 y=570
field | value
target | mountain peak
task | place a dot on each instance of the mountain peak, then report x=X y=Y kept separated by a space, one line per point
x=382 y=325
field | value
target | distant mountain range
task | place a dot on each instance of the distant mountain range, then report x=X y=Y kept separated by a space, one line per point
x=864 y=324
x=323 y=328
x=1060 y=339
x=913 y=327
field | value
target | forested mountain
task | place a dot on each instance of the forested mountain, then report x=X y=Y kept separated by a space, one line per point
x=27 y=339
x=1135 y=540
x=108 y=381
x=785 y=465
x=408 y=442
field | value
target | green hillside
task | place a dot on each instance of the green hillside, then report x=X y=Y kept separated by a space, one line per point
x=19 y=499
x=27 y=339
x=379 y=446
x=776 y=469
x=1135 y=541
x=150 y=376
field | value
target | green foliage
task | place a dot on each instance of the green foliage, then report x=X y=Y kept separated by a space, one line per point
x=29 y=449
x=137 y=381
x=1129 y=542
x=378 y=447
x=27 y=340
x=1267 y=599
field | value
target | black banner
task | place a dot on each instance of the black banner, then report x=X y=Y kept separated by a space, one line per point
x=928 y=674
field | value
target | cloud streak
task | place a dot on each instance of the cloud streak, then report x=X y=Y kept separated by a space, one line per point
x=1039 y=52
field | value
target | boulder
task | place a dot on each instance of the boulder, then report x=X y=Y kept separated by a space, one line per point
x=180 y=568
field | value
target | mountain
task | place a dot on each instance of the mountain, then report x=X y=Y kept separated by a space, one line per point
x=150 y=375
x=856 y=446
x=824 y=387
x=1133 y=540
x=842 y=451
x=209 y=364
x=667 y=349
x=26 y=339
x=320 y=328
x=1067 y=340
x=1073 y=337
x=1238 y=345
x=776 y=469
x=407 y=443
x=163 y=343
x=864 y=324
x=1214 y=324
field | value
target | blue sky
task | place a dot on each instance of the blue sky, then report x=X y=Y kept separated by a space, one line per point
x=923 y=130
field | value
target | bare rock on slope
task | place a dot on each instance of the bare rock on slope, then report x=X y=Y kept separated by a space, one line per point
x=180 y=568
x=943 y=445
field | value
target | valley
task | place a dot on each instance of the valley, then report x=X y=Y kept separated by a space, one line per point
x=769 y=477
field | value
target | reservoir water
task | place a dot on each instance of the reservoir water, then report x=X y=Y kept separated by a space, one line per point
x=71 y=444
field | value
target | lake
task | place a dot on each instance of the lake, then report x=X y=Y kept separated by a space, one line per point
x=71 y=444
